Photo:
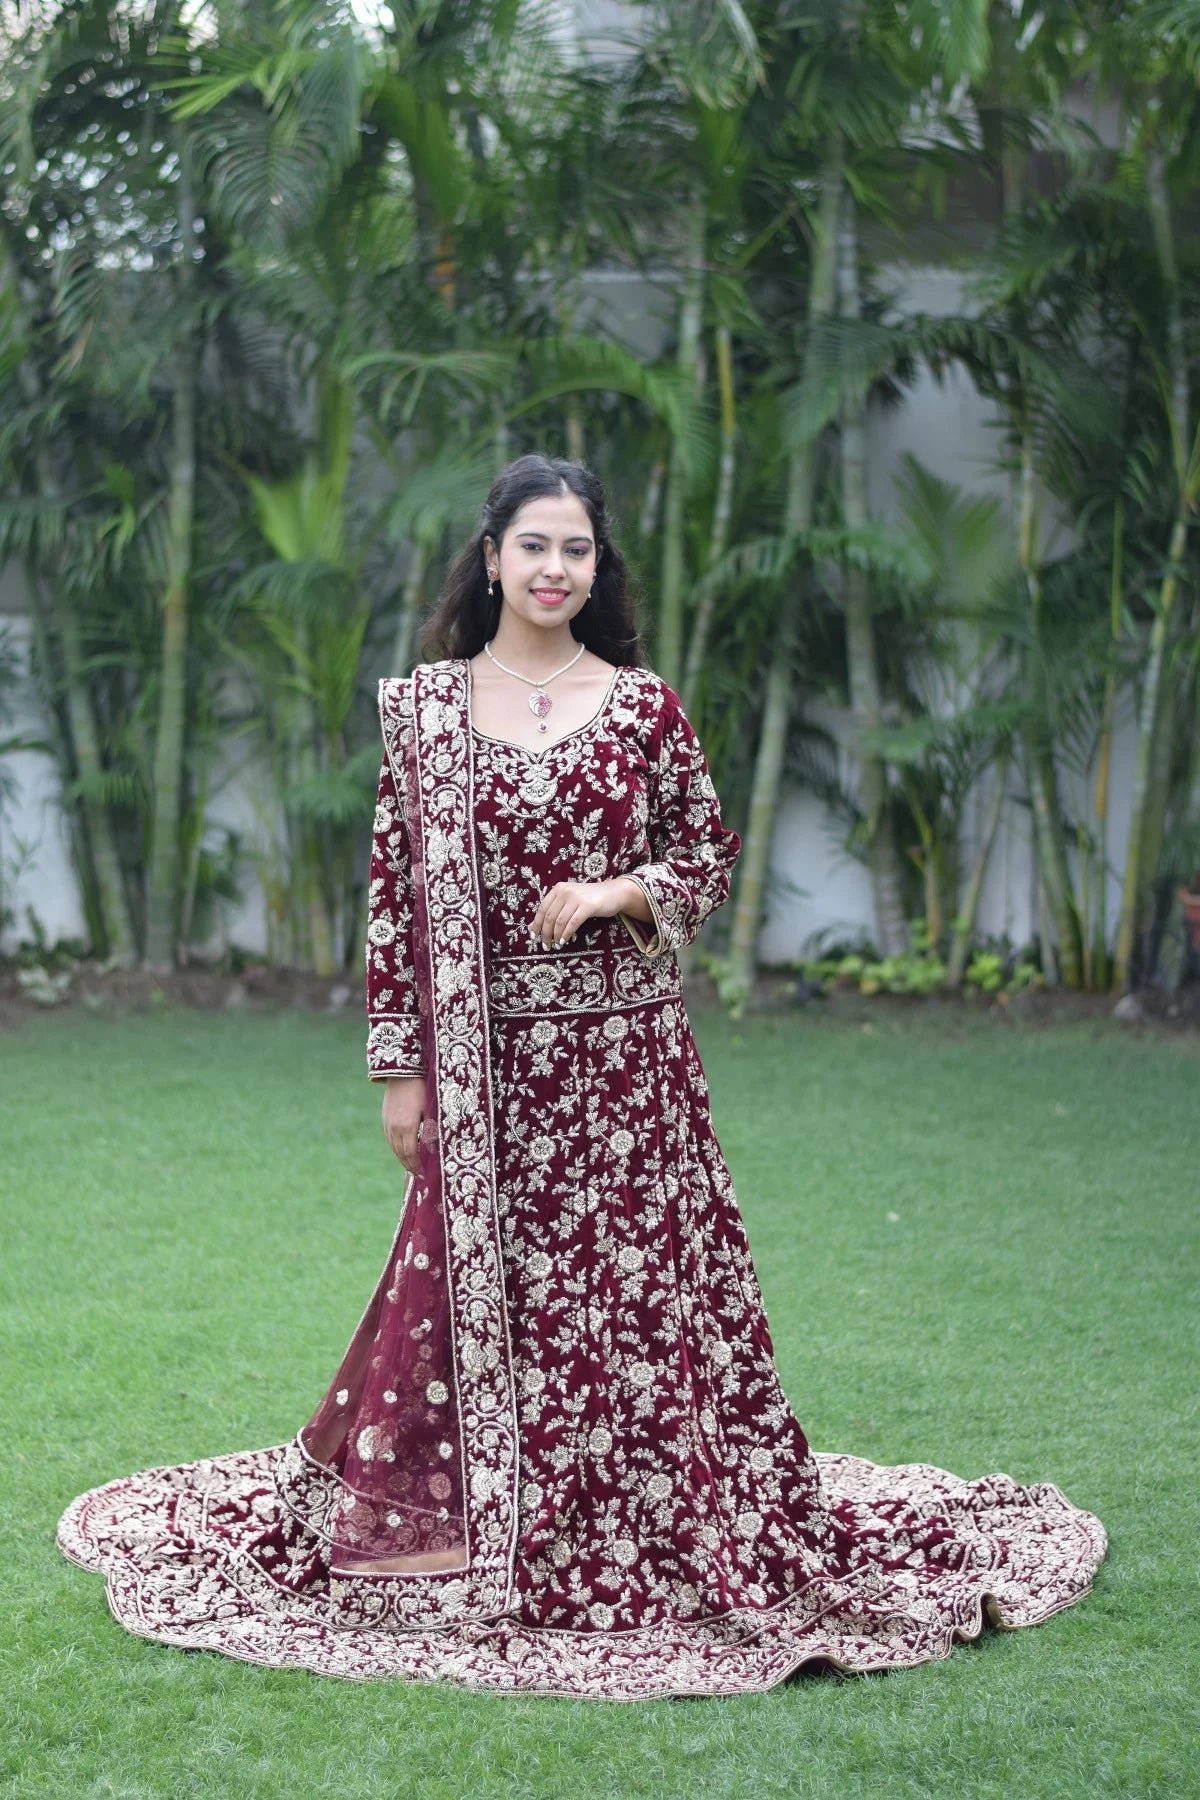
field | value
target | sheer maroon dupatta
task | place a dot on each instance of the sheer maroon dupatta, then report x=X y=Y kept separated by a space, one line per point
x=409 y=1465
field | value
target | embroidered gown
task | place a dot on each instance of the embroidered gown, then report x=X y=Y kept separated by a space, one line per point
x=556 y=1457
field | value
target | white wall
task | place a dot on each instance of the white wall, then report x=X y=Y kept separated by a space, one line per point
x=33 y=825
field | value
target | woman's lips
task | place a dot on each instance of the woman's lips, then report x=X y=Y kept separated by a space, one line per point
x=549 y=596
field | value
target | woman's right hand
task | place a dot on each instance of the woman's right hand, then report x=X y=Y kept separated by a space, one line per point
x=403 y=1110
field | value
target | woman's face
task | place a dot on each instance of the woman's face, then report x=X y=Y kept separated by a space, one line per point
x=546 y=559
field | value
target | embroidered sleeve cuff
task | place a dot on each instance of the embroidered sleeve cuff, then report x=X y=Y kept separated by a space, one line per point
x=394 y=1047
x=649 y=945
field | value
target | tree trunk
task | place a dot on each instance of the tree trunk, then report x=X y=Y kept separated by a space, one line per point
x=931 y=881
x=1133 y=889
x=317 y=861
x=191 y=870
x=652 y=501
x=1178 y=405
x=81 y=746
x=320 y=922
x=671 y=586
x=1099 y=970
x=163 y=877
x=573 y=416
x=964 y=924
x=722 y=516
x=1054 y=890
x=1052 y=859
x=738 y=979
x=1158 y=797
x=163 y=874
x=121 y=947
x=1049 y=966
x=120 y=944
x=47 y=679
x=891 y=927
x=1139 y=866
x=1039 y=753
x=410 y=608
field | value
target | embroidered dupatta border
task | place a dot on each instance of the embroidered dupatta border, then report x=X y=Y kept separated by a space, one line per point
x=435 y=773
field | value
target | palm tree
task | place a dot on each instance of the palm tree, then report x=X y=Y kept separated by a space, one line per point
x=49 y=122
x=738 y=978
x=1159 y=160
x=111 y=234
x=708 y=62
x=165 y=868
x=851 y=77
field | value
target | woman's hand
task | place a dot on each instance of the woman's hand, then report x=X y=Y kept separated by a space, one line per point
x=403 y=1110
x=569 y=904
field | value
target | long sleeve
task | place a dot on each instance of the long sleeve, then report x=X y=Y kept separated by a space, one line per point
x=394 y=1038
x=693 y=854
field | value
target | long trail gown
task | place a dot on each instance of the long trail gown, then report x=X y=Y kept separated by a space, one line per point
x=556 y=1457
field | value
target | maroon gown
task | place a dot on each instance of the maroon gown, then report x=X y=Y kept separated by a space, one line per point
x=556 y=1457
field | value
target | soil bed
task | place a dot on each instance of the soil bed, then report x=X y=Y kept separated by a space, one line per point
x=96 y=988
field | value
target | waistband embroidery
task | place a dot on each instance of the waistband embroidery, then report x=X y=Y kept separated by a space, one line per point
x=579 y=981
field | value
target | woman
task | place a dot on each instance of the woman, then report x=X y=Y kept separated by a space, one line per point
x=556 y=1457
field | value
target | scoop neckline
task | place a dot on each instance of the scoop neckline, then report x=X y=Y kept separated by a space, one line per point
x=524 y=749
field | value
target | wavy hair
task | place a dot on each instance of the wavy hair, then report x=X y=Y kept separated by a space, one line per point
x=464 y=616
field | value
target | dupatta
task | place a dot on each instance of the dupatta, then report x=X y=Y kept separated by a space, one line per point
x=415 y=1448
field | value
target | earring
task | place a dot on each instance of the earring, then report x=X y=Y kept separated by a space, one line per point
x=491 y=585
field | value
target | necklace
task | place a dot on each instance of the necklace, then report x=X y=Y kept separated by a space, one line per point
x=539 y=701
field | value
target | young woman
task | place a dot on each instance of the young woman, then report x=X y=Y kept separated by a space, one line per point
x=556 y=1457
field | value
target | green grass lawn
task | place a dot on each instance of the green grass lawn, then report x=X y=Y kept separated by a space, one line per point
x=978 y=1248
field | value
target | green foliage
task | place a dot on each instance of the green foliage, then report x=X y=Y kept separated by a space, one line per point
x=985 y=971
x=398 y=278
x=920 y=970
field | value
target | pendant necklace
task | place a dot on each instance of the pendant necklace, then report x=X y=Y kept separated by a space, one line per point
x=539 y=701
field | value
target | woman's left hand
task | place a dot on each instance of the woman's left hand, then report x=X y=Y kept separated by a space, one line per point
x=569 y=904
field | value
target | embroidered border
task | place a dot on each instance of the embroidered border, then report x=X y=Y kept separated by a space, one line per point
x=861 y=1623
x=394 y=1046
x=656 y=943
x=482 y=1354
x=579 y=981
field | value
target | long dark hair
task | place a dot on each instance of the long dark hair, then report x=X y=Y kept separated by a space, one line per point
x=464 y=616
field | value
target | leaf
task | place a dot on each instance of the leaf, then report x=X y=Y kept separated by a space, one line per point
x=421 y=122
x=438 y=492
x=954 y=36
x=913 y=740
x=338 y=797
x=581 y=364
x=472 y=373
x=771 y=560
x=711 y=48
x=965 y=538
x=301 y=516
